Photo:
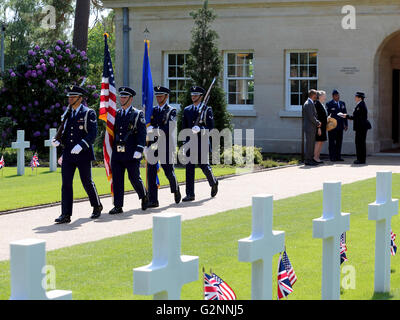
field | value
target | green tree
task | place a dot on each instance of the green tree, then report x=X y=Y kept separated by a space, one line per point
x=25 y=27
x=203 y=64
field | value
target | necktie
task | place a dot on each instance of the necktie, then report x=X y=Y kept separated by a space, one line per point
x=73 y=114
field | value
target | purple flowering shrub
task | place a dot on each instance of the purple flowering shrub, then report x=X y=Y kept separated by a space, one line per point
x=33 y=94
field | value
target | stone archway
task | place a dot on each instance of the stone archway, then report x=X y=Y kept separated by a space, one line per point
x=387 y=93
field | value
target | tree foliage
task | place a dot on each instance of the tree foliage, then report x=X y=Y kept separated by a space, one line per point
x=203 y=64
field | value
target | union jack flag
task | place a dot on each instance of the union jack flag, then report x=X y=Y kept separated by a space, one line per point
x=343 y=248
x=289 y=269
x=393 y=247
x=284 y=285
x=2 y=163
x=35 y=161
x=217 y=289
x=108 y=109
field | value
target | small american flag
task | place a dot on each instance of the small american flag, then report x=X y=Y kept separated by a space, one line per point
x=35 y=161
x=217 y=289
x=289 y=269
x=2 y=163
x=393 y=247
x=284 y=285
x=343 y=248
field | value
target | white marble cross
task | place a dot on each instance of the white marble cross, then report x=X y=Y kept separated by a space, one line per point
x=261 y=246
x=168 y=271
x=329 y=228
x=382 y=211
x=53 y=150
x=27 y=262
x=20 y=145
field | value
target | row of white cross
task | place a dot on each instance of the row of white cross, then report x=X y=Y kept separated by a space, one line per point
x=21 y=145
x=169 y=271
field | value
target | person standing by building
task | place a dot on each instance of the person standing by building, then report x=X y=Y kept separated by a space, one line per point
x=77 y=138
x=335 y=136
x=129 y=143
x=322 y=117
x=361 y=126
x=311 y=124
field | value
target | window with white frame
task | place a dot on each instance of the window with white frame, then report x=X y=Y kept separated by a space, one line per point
x=239 y=79
x=175 y=76
x=301 y=76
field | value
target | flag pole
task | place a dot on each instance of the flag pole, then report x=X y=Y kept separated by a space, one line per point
x=204 y=288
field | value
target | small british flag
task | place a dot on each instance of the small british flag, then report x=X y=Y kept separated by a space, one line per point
x=393 y=247
x=2 y=163
x=35 y=161
x=343 y=248
x=284 y=285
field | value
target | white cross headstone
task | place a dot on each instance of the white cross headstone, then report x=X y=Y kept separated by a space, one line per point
x=168 y=271
x=53 y=150
x=382 y=211
x=20 y=145
x=261 y=246
x=27 y=262
x=329 y=228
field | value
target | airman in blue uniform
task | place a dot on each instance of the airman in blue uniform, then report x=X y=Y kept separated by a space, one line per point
x=127 y=152
x=79 y=133
x=162 y=119
x=191 y=115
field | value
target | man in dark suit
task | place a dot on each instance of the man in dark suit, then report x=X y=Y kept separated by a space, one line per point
x=190 y=116
x=127 y=152
x=311 y=124
x=334 y=107
x=79 y=133
x=361 y=126
x=163 y=117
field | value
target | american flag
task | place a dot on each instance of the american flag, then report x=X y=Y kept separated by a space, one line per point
x=2 y=163
x=284 y=285
x=289 y=269
x=217 y=289
x=393 y=247
x=343 y=248
x=108 y=109
x=35 y=161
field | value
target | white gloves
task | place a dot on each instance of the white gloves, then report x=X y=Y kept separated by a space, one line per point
x=196 y=129
x=137 y=155
x=150 y=129
x=145 y=150
x=76 y=150
x=55 y=143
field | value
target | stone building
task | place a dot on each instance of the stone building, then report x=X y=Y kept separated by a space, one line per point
x=273 y=52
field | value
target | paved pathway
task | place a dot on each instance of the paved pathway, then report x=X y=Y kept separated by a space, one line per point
x=234 y=192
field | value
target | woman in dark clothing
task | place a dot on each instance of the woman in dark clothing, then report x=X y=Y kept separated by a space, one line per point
x=322 y=117
x=361 y=126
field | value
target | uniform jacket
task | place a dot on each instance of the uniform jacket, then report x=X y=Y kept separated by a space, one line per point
x=360 y=117
x=161 y=119
x=82 y=130
x=134 y=138
x=333 y=109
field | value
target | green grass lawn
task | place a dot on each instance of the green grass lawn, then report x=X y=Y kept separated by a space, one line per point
x=45 y=187
x=103 y=269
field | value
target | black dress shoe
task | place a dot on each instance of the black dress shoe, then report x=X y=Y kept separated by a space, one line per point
x=116 y=210
x=310 y=163
x=341 y=160
x=145 y=202
x=153 y=204
x=359 y=162
x=97 y=212
x=63 y=219
x=188 y=199
x=178 y=196
x=214 y=189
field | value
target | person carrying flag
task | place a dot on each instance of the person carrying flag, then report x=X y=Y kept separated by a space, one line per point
x=77 y=137
x=162 y=119
x=127 y=151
